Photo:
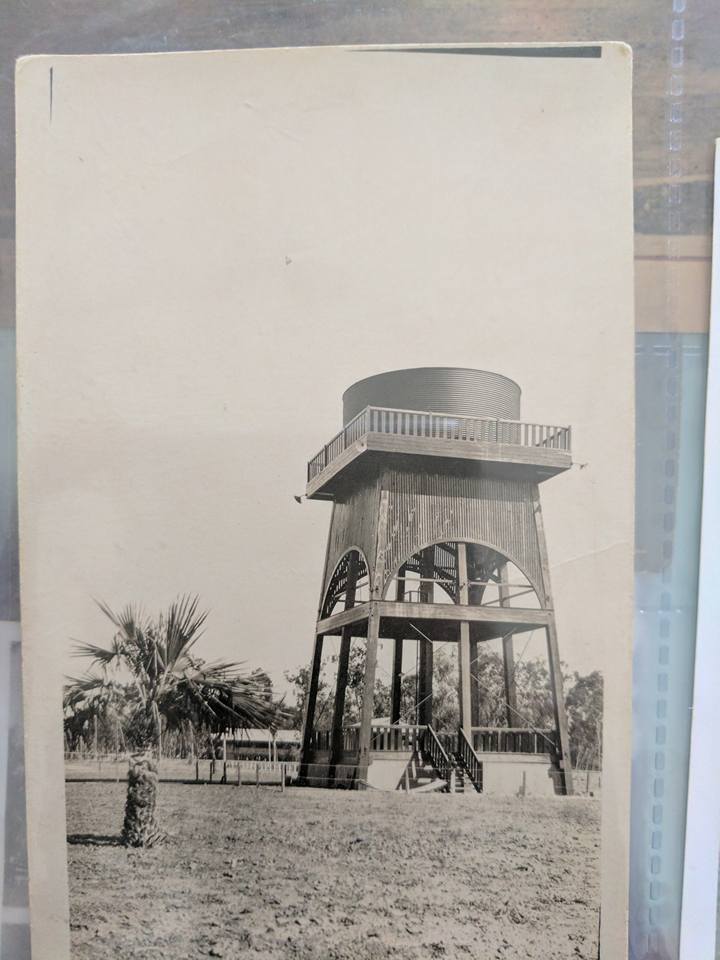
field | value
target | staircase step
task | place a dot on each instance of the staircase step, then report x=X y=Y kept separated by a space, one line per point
x=427 y=787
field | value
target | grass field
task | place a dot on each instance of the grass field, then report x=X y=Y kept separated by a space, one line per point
x=334 y=876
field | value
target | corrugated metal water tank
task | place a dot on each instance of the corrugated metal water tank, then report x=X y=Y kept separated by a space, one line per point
x=455 y=390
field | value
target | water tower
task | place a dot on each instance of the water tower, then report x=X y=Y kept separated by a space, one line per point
x=436 y=537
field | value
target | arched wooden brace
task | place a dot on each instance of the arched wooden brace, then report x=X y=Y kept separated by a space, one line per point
x=336 y=746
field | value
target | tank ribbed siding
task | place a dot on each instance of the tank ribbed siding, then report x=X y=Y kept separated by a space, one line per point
x=454 y=390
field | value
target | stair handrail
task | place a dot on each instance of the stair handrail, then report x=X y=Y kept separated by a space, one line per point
x=440 y=760
x=470 y=760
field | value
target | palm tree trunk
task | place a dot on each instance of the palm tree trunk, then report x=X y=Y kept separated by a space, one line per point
x=140 y=828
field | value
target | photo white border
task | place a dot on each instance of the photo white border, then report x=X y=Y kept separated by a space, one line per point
x=702 y=834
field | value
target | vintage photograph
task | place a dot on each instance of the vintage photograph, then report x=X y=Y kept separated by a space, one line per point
x=326 y=521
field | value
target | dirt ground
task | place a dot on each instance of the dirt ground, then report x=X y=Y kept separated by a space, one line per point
x=322 y=875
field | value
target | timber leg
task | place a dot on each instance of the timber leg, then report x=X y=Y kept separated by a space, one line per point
x=464 y=677
x=464 y=692
x=509 y=675
x=338 y=741
x=310 y=703
x=366 y=714
x=425 y=691
x=558 y=698
x=508 y=645
x=474 y=679
x=396 y=686
x=425 y=672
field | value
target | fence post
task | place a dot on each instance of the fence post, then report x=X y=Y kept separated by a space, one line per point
x=257 y=776
x=211 y=771
x=224 y=773
x=407 y=781
x=282 y=777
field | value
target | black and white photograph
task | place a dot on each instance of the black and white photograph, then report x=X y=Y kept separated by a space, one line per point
x=325 y=393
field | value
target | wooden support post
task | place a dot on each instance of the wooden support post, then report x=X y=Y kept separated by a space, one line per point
x=257 y=776
x=282 y=777
x=337 y=741
x=554 y=666
x=464 y=643
x=239 y=775
x=373 y=633
x=508 y=645
x=425 y=672
x=309 y=720
x=396 y=682
x=366 y=714
x=474 y=678
x=511 y=712
x=558 y=698
x=464 y=694
x=473 y=554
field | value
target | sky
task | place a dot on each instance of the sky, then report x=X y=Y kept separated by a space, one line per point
x=213 y=248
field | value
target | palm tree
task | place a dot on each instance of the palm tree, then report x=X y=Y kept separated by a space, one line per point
x=150 y=675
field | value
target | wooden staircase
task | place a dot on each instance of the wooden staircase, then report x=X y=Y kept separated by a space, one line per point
x=460 y=770
x=469 y=762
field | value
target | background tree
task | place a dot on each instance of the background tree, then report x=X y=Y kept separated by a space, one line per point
x=584 y=702
x=150 y=676
x=583 y=697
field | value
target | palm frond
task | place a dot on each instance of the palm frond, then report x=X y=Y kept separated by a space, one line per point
x=100 y=655
x=129 y=619
x=182 y=629
x=92 y=687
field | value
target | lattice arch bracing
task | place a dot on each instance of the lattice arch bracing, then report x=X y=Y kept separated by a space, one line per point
x=352 y=568
x=493 y=579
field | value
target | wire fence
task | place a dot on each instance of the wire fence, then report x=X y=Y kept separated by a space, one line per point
x=115 y=767
x=283 y=774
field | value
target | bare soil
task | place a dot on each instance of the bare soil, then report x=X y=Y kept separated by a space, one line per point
x=324 y=875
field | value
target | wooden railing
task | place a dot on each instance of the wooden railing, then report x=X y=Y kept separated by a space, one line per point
x=439 y=426
x=352 y=431
x=408 y=738
x=396 y=738
x=322 y=740
x=513 y=740
x=470 y=760
x=436 y=754
x=405 y=738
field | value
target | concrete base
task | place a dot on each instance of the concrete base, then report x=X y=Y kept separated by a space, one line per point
x=507 y=774
x=504 y=774
x=387 y=770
